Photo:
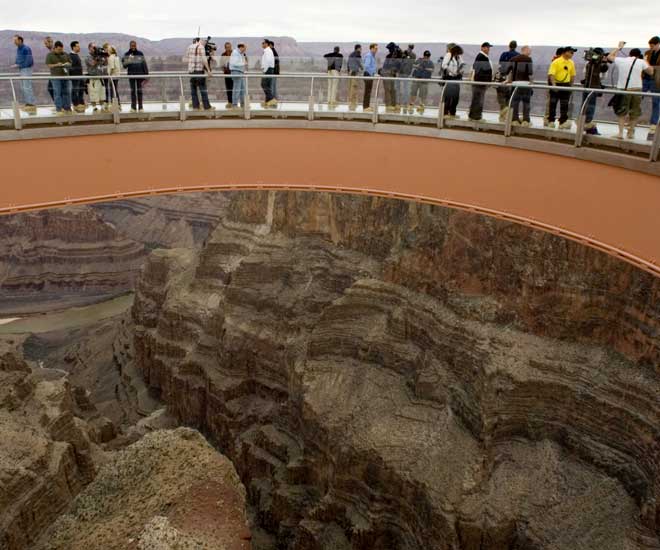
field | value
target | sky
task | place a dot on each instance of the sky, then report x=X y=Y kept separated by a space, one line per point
x=537 y=22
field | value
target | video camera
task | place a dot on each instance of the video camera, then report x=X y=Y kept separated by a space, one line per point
x=210 y=48
x=100 y=54
x=594 y=55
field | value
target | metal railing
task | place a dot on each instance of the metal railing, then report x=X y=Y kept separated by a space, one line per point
x=309 y=105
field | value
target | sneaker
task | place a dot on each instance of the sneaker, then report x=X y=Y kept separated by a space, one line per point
x=631 y=133
x=475 y=119
x=420 y=109
x=68 y=112
x=368 y=110
x=566 y=125
x=272 y=104
x=228 y=105
x=548 y=123
x=210 y=108
x=515 y=123
x=593 y=131
x=526 y=124
x=133 y=110
x=411 y=110
x=60 y=113
x=141 y=109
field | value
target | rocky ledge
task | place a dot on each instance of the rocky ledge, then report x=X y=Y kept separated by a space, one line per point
x=391 y=375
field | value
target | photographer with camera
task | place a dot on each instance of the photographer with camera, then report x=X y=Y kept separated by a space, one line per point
x=596 y=66
x=198 y=55
x=96 y=63
x=59 y=64
x=136 y=65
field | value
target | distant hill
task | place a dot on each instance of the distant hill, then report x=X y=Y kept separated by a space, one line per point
x=297 y=56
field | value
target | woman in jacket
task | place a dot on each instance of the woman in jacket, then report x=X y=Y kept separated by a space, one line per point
x=453 y=68
x=114 y=70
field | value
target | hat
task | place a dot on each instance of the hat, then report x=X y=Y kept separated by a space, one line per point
x=486 y=45
x=391 y=46
x=427 y=53
x=569 y=49
x=599 y=51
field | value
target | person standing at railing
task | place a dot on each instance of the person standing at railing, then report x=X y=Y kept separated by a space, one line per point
x=276 y=68
x=267 y=68
x=521 y=75
x=651 y=83
x=335 y=62
x=596 y=66
x=229 y=81
x=408 y=58
x=78 y=85
x=482 y=71
x=390 y=71
x=238 y=68
x=628 y=108
x=561 y=74
x=504 y=92
x=370 y=71
x=199 y=69
x=59 y=64
x=24 y=63
x=453 y=68
x=423 y=68
x=114 y=71
x=48 y=44
x=135 y=64
x=96 y=66
x=355 y=69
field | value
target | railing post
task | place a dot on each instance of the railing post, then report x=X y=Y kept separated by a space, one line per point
x=582 y=117
x=246 y=100
x=310 y=114
x=115 y=103
x=374 y=116
x=655 y=144
x=18 y=123
x=182 y=101
x=163 y=93
x=509 y=114
x=441 y=108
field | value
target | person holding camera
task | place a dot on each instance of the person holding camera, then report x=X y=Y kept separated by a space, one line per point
x=651 y=83
x=199 y=68
x=96 y=67
x=24 y=63
x=59 y=64
x=136 y=66
x=561 y=75
x=628 y=108
x=596 y=66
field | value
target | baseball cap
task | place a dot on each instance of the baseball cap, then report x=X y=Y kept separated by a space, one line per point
x=569 y=49
x=486 y=45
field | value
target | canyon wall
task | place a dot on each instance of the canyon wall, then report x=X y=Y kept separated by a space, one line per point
x=386 y=374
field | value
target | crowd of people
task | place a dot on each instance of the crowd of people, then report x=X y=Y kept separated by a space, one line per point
x=514 y=71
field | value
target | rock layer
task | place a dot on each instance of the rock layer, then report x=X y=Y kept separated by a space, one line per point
x=46 y=456
x=392 y=375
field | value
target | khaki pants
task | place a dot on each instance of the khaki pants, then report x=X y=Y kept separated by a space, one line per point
x=333 y=84
x=96 y=91
x=353 y=86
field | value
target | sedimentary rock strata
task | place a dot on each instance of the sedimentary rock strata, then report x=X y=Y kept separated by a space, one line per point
x=392 y=375
x=57 y=258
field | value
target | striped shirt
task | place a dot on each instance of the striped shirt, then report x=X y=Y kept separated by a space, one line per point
x=196 y=55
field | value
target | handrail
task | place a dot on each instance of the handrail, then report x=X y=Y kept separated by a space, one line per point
x=535 y=85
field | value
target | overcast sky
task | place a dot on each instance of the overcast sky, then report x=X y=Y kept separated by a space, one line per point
x=580 y=22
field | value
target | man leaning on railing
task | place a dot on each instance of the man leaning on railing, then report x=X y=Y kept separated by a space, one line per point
x=24 y=63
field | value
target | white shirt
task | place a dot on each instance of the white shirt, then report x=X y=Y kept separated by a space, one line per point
x=267 y=60
x=454 y=66
x=623 y=65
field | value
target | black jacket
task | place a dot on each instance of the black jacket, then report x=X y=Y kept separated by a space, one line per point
x=335 y=61
x=277 y=61
x=483 y=70
x=76 y=65
x=135 y=63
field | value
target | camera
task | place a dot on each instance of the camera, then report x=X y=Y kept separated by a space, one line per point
x=210 y=48
x=594 y=55
x=100 y=53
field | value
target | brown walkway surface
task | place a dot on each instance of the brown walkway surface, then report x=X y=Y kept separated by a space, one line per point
x=614 y=209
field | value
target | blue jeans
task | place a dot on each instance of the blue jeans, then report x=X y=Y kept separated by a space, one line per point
x=649 y=86
x=198 y=83
x=403 y=92
x=26 y=87
x=62 y=93
x=238 y=95
x=590 y=110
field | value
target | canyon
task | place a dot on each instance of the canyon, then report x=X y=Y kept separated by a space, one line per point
x=379 y=374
